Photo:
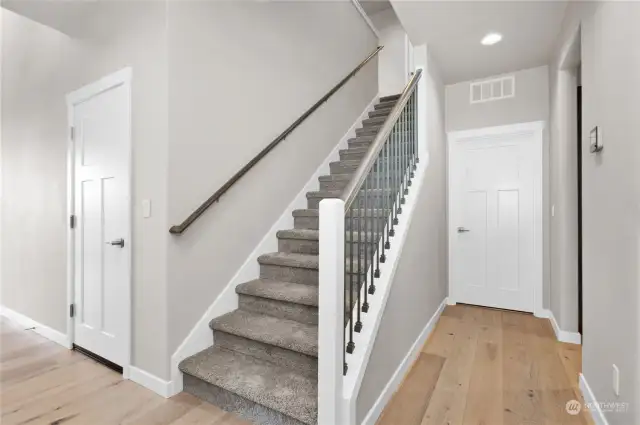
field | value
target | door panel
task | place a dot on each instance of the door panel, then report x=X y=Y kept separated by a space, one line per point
x=492 y=196
x=102 y=204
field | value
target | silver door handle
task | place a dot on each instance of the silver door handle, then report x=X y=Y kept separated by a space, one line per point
x=463 y=230
x=117 y=242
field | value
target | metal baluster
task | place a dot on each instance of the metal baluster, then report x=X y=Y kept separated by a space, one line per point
x=396 y=158
x=351 y=345
x=402 y=169
x=367 y=194
x=387 y=180
x=412 y=164
x=416 y=114
x=356 y=272
x=375 y=212
x=407 y=140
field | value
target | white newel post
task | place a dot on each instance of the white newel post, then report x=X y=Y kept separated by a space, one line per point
x=331 y=312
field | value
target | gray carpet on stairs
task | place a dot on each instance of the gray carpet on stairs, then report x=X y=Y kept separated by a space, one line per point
x=263 y=365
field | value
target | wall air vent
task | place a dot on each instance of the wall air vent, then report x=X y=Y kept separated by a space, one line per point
x=493 y=89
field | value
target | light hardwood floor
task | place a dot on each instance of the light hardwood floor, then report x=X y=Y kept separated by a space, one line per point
x=489 y=367
x=43 y=383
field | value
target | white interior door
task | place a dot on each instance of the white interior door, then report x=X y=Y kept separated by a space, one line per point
x=495 y=218
x=100 y=118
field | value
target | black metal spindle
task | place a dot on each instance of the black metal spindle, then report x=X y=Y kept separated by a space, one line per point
x=387 y=180
x=367 y=194
x=351 y=345
x=375 y=212
x=356 y=273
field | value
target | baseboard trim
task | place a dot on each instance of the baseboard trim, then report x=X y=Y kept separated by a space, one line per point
x=43 y=330
x=561 y=335
x=200 y=336
x=591 y=401
x=151 y=382
x=395 y=381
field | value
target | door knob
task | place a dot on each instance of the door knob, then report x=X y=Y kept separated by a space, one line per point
x=117 y=242
x=463 y=230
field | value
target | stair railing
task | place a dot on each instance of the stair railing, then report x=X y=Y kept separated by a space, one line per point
x=356 y=230
x=180 y=228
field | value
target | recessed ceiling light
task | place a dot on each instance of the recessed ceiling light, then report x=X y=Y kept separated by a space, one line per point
x=491 y=38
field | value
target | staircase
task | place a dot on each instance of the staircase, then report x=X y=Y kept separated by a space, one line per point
x=264 y=364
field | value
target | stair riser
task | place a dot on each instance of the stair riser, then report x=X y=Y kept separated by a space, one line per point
x=350 y=168
x=231 y=402
x=374 y=121
x=385 y=105
x=312 y=247
x=282 y=309
x=372 y=202
x=289 y=274
x=357 y=143
x=292 y=360
x=333 y=184
x=358 y=156
x=365 y=131
x=306 y=223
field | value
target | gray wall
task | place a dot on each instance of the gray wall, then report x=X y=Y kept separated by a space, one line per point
x=420 y=283
x=611 y=190
x=392 y=69
x=239 y=74
x=40 y=66
x=531 y=103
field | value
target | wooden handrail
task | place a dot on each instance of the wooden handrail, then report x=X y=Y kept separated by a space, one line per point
x=180 y=228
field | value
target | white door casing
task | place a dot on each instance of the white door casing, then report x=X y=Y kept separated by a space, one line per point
x=495 y=217
x=100 y=199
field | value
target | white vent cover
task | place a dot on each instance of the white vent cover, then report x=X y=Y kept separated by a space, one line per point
x=493 y=89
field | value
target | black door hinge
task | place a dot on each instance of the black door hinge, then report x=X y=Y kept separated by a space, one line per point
x=72 y=221
x=72 y=310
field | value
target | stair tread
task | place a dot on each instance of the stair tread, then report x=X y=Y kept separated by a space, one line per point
x=289 y=259
x=283 y=333
x=280 y=291
x=307 y=212
x=335 y=177
x=390 y=97
x=302 y=234
x=262 y=382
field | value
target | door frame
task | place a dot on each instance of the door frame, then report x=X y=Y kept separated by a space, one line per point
x=537 y=130
x=119 y=78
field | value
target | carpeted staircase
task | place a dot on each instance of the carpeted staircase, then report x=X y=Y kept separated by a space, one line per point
x=264 y=363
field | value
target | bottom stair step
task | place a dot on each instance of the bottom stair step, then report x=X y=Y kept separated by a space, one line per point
x=257 y=390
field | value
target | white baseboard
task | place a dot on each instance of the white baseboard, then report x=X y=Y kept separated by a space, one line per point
x=395 y=381
x=39 y=328
x=201 y=336
x=151 y=382
x=591 y=401
x=561 y=335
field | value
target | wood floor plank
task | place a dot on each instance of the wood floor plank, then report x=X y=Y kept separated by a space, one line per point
x=450 y=395
x=485 y=396
x=409 y=404
x=43 y=384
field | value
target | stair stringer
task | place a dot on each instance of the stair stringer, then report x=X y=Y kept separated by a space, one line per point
x=200 y=336
x=365 y=339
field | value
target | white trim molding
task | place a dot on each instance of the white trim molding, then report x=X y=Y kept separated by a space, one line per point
x=561 y=335
x=366 y=18
x=43 y=330
x=201 y=336
x=151 y=382
x=404 y=367
x=592 y=403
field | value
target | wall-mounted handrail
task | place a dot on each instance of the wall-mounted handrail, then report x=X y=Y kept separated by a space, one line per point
x=351 y=191
x=180 y=228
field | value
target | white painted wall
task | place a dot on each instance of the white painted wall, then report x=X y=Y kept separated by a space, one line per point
x=40 y=66
x=420 y=283
x=239 y=74
x=611 y=191
x=392 y=65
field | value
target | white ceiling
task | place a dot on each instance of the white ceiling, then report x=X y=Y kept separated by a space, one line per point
x=453 y=30
x=374 y=6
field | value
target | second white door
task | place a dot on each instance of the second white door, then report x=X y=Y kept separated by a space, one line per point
x=495 y=212
x=100 y=118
